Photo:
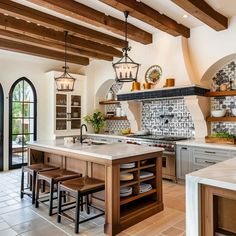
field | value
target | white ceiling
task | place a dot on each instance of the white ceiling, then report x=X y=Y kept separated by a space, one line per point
x=226 y=7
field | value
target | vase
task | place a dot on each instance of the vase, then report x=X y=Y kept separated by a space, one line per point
x=96 y=129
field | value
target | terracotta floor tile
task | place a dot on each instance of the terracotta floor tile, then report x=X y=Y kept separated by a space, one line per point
x=181 y=225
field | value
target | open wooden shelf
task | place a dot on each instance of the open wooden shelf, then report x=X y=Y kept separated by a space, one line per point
x=125 y=200
x=109 y=102
x=221 y=93
x=147 y=178
x=222 y=119
x=116 y=118
x=147 y=166
x=128 y=170
x=128 y=183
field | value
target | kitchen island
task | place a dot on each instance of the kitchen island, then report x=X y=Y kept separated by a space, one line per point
x=103 y=162
x=211 y=200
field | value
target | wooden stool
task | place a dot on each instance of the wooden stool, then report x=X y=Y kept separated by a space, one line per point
x=53 y=177
x=33 y=170
x=78 y=188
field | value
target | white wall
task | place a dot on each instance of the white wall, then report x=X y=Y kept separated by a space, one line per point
x=14 y=66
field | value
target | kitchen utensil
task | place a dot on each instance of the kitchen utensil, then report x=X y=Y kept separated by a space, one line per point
x=223 y=87
x=110 y=95
x=147 y=85
x=170 y=82
x=76 y=103
x=126 y=176
x=218 y=113
x=126 y=189
x=234 y=111
x=153 y=74
x=142 y=132
x=127 y=165
x=145 y=174
x=135 y=86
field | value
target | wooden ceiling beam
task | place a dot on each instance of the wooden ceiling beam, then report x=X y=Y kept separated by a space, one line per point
x=38 y=17
x=150 y=16
x=89 y=15
x=204 y=12
x=41 y=52
x=33 y=30
x=22 y=38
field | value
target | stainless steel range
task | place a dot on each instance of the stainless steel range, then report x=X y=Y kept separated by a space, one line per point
x=169 y=154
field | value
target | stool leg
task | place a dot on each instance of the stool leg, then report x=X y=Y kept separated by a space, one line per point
x=87 y=204
x=77 y=213
x=51 y=197
x=64 y=196
x=59 y=205
x=37 y=193
x=81 y=204
x=22 y=184
x=33 y=186
x=43 y=186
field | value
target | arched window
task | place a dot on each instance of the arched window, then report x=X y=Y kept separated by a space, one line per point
x=1 y=127
x=22 y=121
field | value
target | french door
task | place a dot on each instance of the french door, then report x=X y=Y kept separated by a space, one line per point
x=22 y=121
x=1 y=126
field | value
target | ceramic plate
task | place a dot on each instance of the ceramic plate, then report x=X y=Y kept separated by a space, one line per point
x=153 y=74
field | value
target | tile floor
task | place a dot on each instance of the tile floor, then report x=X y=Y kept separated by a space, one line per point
x=19 y=217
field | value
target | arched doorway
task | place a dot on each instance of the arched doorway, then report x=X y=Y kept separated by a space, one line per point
x=22 y=121
x=1 y=126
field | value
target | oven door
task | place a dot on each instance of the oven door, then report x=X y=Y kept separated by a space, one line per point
x=168 y=166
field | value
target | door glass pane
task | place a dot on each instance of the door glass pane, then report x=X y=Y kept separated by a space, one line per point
x=18 y=94
x=17 y=127
x=17 y=109
x=28 y=126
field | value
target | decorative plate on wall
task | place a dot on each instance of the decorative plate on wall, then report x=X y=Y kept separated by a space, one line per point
x=153 y=74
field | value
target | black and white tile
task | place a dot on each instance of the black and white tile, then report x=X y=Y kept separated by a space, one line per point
x=167 y=117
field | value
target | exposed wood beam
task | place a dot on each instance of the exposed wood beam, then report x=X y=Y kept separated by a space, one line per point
x=41 y=52
x=89 y=15
x=204 y=12
x=49 y=45
x=30 y=29
x=150 y=16
x=38 y=17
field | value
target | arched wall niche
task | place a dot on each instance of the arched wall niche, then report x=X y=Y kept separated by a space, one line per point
x=213 y=69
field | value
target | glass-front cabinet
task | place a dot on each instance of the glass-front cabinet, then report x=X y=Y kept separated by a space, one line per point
x=68 y=112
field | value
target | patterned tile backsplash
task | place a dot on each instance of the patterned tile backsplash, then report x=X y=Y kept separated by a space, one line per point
x=167 y=117
x=226 y=74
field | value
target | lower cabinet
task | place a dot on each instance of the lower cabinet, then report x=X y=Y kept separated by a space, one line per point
x=184 y=156
x=190 y=159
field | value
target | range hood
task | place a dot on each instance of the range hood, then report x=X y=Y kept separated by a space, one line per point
x=163 y=93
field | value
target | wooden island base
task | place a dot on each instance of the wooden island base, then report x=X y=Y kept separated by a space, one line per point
x=121 y=212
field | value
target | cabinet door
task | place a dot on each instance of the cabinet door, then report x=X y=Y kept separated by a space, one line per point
x=183 y=161
x=75 y=111
x=61 y=113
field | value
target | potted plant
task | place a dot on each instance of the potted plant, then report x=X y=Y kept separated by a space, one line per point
x=97 y=120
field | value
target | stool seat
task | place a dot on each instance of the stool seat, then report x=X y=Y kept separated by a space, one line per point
x=39 y=167
x=82 y=185
x=58 y=175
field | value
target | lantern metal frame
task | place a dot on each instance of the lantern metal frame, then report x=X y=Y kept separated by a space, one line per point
x=65 y=82
x=126 y=60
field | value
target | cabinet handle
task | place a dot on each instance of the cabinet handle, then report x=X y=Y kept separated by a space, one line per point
x=210 y=152
x=210 y=162
x=184 y=148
